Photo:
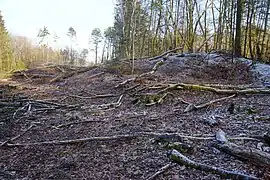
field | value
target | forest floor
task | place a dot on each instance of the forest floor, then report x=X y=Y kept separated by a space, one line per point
x=88 y=125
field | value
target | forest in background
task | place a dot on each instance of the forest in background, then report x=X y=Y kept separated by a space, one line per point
x=149 y=27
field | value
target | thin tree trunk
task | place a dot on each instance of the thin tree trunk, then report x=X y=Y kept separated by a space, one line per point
x=237 y=50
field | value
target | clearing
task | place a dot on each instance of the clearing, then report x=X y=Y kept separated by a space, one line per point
x=63 y=122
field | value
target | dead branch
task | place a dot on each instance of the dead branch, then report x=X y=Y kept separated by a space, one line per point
x=78 y=122
x=125 y=82
x=96 y=75
x=201 y=137
x=53 y=103
x=225 y=86
x=217 y=90
x=131 y=88
x=69 y=74
x=170 y=88
x=253 y=155
x=73 y=141
x=95 y=96
x=196 y=107
x=159 y=101
x=17 y=137
x=165 y=53
x=183 y=160
x=160 y=171
x=154 y=69
x=112 y=105
x=140 y=134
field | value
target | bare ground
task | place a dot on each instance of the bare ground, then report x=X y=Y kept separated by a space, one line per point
x=127 y=158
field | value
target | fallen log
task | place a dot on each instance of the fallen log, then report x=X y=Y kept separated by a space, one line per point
x=183 y=160
x=255 y=156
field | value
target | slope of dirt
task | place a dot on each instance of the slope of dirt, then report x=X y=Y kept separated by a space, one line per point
x=77 y=112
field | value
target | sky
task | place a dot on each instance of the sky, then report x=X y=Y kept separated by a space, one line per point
x=26 y=17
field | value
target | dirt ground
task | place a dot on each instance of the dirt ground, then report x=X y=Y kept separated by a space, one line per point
x=79 y=113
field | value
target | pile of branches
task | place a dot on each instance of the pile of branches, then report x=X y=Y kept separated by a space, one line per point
x=50 y=74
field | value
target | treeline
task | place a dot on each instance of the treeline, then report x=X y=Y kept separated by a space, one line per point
x=18 y=52
x=149 y=27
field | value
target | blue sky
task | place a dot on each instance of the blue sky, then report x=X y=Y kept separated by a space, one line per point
x=25 y=17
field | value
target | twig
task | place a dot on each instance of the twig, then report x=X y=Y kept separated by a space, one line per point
x=18 y=136
x=54 y=104
x=113 y=105
x=160 y=171
x=79 y=122
x=96 y=75
x=183 y=160
x=131 y=88
x=125 y=82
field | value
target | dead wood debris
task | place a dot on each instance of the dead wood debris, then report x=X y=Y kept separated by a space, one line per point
x=184 y=86
x=158 y=101
x=126 y=136
x=111 y=105
x=73 y=141
x=95 y=96
x=65 y=75
x=160 y=171
x=154 y=69
x=183 y=160
x=17 y=137
x=247 y=153
x=78 y=122
x=165 y=53
x=192 y=107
